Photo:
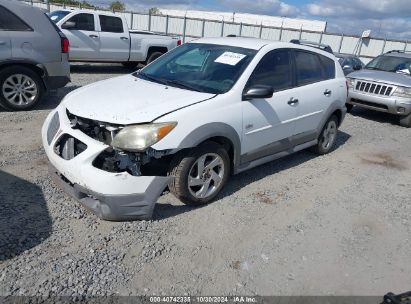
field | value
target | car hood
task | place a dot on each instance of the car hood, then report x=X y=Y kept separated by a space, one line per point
x=381 y=76
x=128 y=100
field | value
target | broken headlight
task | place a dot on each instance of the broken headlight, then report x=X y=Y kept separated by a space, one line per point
x=137 y=138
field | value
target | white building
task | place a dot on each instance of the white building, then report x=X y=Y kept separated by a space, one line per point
x=265 y=20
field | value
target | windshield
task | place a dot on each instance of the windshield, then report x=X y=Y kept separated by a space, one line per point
x=56 y=16
x=389 y=64
x=199 y=67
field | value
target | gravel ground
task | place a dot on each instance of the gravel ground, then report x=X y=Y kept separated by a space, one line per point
x=337 y=224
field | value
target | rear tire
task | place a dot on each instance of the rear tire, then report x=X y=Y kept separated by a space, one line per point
x=130 y=65
x=327 y=138
x=405 y=121
x=153 y=56
x=200 y=174
x=20 y=88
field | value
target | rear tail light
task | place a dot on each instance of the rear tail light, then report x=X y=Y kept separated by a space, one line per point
x=179 y=42
x=65 y=45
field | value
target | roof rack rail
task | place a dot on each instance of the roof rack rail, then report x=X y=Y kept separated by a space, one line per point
x=397 y=51
x=324 y=47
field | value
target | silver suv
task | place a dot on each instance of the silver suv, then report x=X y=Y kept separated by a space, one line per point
x=384 y=85
x=33 y=55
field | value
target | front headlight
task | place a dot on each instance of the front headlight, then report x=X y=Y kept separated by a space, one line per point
x=402 y=92
x=137 y=138
x=350 y=82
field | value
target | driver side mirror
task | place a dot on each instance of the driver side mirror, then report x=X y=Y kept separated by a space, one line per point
x=69 y=25
x=258 y=92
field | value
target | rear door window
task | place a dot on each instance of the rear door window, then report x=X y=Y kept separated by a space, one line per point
x=111 y=24
x=10 y=22
x=309 y=68
x=84 y=22
x=273 y=70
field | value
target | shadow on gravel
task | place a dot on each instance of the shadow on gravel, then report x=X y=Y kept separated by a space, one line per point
x=239 y=181
x=24 y=217
x=375 y=115
x=163 y=211
x=236 y=182
x=53 y=98
x=100 y=68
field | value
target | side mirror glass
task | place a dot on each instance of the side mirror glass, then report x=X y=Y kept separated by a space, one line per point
x=258 y=92
x=69 y=25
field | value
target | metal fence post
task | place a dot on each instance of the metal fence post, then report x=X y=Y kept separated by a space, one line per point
x=167 y=20
x=149 y=21
x=131 y=20
x=301 y=32
x=383 y=45
x=321 y=37
x=341 y=41
x=48 y=5
x=222 y=28
x=203 y=28
x=240 y=31
x=405 y=46
x=281 y=33
x=261 y=29
x=184 y=29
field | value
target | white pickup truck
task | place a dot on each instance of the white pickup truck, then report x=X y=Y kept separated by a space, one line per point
x=105 y=37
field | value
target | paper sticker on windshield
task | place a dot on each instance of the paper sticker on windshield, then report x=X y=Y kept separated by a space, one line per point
x=230 y=58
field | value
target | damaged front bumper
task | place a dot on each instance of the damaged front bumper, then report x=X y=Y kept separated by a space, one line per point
x=113 y=196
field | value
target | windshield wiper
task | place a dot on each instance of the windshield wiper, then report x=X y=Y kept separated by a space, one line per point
x=182 y=85
x=373 y=68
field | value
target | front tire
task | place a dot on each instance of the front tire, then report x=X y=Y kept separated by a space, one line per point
x=328 y=137
x=199 y=175
x=405 y=121
x=20 y=88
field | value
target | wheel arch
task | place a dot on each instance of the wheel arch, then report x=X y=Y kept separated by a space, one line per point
x=36 y=67
x=220 y=133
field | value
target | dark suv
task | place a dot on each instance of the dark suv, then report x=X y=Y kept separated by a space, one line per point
x=33 y=55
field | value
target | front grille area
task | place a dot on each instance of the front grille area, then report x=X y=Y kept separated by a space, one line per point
x=68 y=147
x=54 y=126
x=101 y=131
x=373 y=88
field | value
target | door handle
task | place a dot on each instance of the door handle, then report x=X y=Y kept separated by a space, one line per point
x=123 y=38
x=327 y=93
x=292 y=101
x=93 y=36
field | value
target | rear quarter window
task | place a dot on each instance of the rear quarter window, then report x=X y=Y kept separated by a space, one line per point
x=10 y=22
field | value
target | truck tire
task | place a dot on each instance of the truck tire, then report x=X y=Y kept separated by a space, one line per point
x=349 y=107
x=327 y=138
x=200 y=174
x=20 y=88
x=405 y=121
x=153 y=56
x=130 y=65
